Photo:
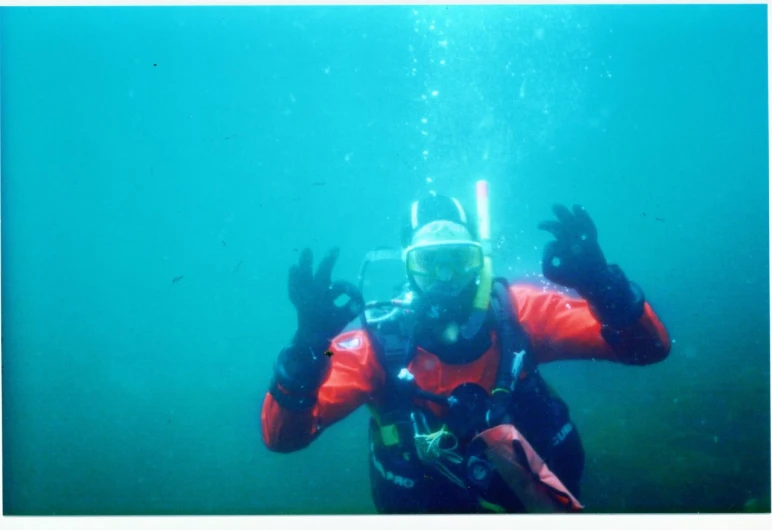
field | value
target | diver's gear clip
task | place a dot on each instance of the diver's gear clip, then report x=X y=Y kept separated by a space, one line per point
x=479 y=472
x=430 y=450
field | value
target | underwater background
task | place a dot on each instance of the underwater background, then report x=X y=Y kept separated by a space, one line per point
x=161 y=168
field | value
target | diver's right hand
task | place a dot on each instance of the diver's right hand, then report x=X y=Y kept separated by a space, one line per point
x=314 y=296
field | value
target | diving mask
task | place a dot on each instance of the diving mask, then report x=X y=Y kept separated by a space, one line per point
x=443 y=259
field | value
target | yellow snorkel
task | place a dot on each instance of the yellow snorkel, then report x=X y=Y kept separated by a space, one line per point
x=483 y=295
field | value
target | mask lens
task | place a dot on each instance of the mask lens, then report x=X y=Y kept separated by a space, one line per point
x=434 y=260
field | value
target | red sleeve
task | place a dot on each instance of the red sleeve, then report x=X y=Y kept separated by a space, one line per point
x=561 y=327
x=354 y=377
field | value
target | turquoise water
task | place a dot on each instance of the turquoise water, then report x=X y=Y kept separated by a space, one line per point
x=161 y=167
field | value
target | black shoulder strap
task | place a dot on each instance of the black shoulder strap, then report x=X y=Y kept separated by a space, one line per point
x=394 y=351
x=512 y=337
x=393 y=344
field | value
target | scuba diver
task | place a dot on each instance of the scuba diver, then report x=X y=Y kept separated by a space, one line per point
x=462 y=421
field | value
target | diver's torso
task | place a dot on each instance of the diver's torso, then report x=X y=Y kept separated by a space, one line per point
x=402 y=483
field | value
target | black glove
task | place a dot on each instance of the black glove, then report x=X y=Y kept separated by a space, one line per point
x=467 y=408
x=576 y=260
x=499 y=409
x=471 y=410
x=314 y=296
x=302 y=366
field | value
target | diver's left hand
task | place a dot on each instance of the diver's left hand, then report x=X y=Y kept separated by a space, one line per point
x=574 y=259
